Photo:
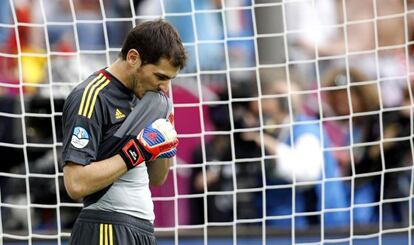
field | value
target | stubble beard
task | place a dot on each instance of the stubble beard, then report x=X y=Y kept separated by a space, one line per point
x=137 y=87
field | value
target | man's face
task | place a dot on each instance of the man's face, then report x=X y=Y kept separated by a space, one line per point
x=154 y=77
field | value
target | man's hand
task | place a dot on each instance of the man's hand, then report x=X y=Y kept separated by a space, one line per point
x=158 y=140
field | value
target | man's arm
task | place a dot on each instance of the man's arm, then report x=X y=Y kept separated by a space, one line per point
x=158 y=170
x=157 y=140
x=82 y=180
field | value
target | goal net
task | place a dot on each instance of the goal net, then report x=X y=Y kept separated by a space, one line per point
x=294 y=118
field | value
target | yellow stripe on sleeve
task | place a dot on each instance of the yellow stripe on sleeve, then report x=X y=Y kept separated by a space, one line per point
x=92 y=105
x=101 y=234
x=111 y=238
x=85 y=92
x=91 y=92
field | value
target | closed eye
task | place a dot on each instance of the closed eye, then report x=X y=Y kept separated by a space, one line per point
x=162 y=77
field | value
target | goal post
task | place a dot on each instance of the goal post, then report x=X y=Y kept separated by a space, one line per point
x=294 y=118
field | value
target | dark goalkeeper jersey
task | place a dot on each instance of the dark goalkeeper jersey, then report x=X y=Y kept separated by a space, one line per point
x=95 y=127
x=92 y=113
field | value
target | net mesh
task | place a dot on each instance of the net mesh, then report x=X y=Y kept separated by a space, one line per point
x=294 y=118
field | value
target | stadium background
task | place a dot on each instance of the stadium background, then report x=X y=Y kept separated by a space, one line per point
x=242 y=55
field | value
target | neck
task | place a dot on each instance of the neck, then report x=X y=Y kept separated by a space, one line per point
x=121 y=72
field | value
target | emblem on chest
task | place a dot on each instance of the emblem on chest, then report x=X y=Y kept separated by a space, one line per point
x=119 y=114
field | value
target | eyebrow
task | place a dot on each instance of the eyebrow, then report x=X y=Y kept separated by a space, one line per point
x=163 y=76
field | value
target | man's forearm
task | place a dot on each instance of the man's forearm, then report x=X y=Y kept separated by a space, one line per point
x=83 y=180
x=158 y=170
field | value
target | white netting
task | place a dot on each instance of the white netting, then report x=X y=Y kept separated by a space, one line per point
x=294 y=118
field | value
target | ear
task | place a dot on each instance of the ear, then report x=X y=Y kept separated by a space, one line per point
x=133 y=58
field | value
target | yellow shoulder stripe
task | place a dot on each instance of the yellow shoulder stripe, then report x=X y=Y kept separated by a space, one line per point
x=90 y=94
x=85 y=92
x=95 y=95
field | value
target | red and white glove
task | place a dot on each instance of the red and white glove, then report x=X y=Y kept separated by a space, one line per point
x=158 y=140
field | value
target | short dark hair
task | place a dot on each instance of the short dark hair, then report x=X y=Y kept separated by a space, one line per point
x=154 y=40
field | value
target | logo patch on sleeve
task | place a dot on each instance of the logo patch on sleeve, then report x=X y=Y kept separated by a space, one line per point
x=80 y=137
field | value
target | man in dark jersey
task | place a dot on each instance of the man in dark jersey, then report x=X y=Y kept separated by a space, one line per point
x=119 y=138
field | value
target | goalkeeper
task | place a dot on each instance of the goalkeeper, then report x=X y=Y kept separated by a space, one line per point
x=119 y=138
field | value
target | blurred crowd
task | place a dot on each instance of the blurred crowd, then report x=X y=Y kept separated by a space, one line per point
x=305 y=117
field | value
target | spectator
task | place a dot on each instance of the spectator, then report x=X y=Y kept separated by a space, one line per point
x=364 y=128
x=300 y=158
x=324 y=30
x=314 y=22
x=218 y=178
x=394 y=153
x=221 y=174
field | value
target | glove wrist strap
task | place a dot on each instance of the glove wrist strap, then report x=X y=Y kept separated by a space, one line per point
x=131 y=154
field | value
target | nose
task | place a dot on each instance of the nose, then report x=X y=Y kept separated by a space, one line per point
x=164 y=87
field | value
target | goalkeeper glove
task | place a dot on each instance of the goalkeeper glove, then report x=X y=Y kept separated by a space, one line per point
x=158 y=140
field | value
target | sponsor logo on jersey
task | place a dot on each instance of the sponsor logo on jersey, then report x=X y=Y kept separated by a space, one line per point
x=119 y=114
x=80 y=137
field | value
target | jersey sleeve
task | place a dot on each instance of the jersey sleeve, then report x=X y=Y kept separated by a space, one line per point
x=82 y=132
x=151 y=107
